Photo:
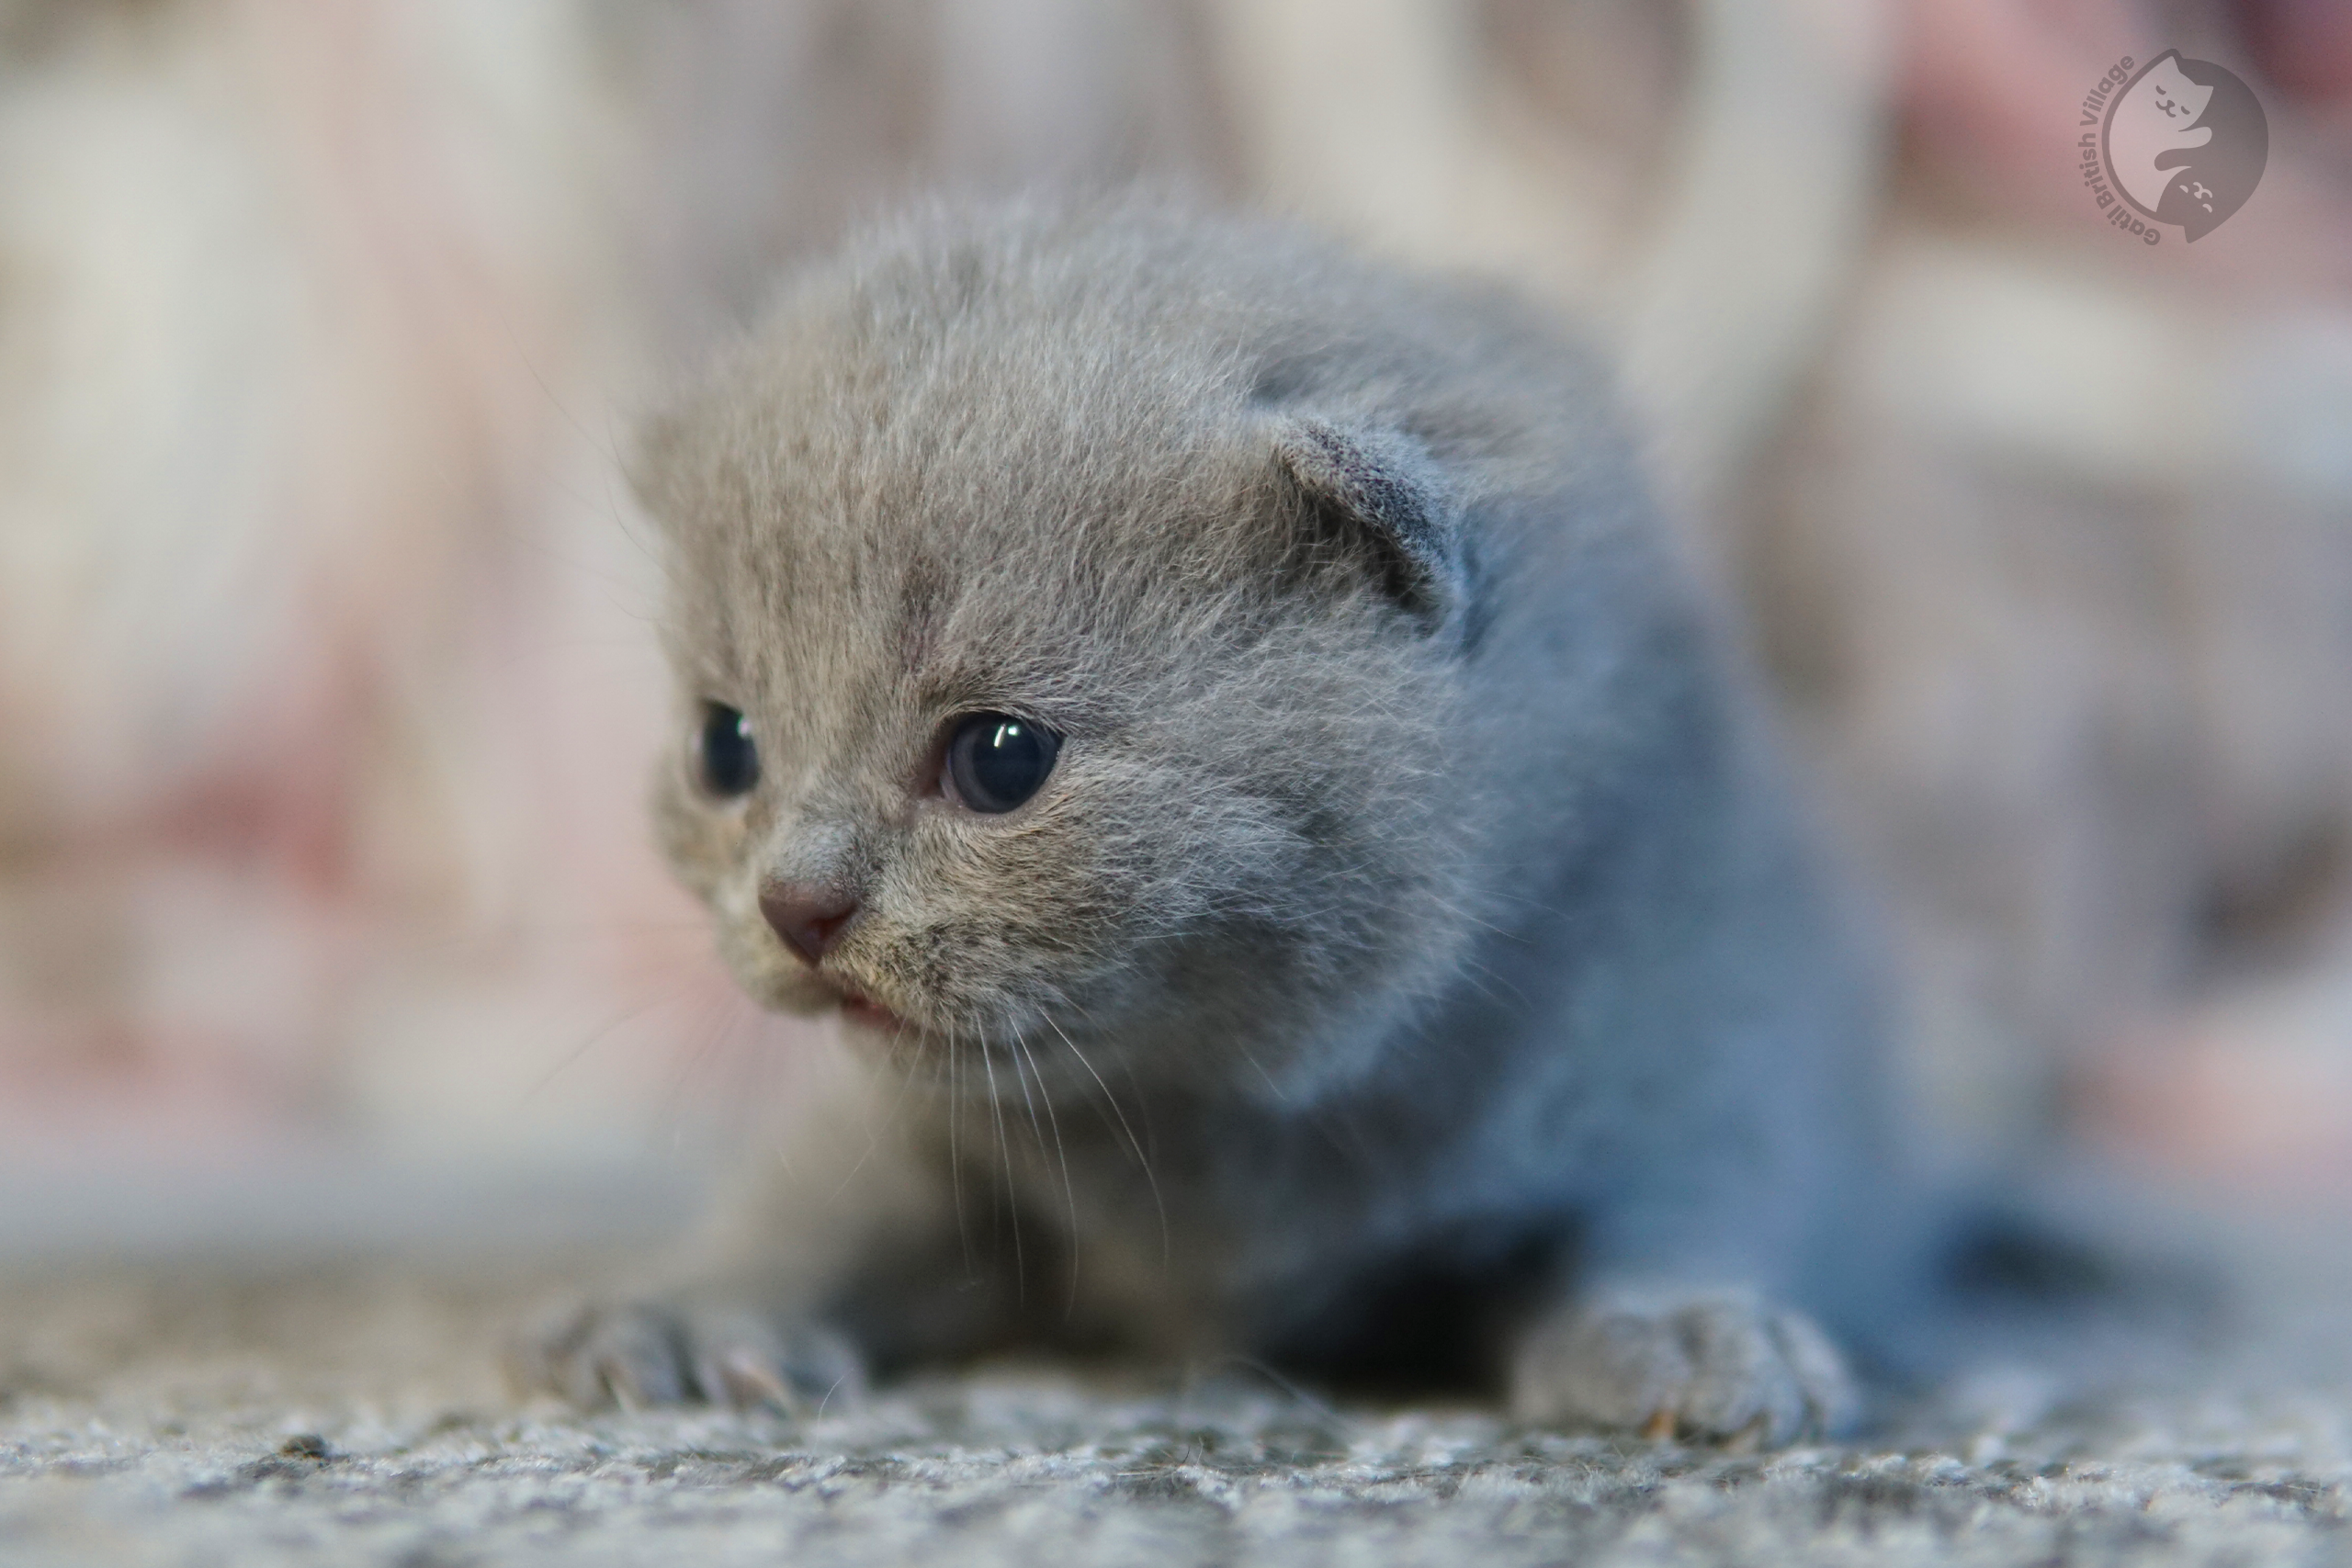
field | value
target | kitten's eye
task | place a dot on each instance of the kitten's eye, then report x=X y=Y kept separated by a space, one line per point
x=995 y=761
x=727 y=762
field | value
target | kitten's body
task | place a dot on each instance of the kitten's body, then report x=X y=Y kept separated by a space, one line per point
x=1411 y=962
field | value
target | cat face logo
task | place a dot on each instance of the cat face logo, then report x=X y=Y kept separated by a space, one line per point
x=2185 y=142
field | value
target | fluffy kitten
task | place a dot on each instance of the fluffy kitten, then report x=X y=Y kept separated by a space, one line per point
x=1222 y=721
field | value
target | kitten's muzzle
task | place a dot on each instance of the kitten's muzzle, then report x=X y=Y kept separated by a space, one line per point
x=810 y=919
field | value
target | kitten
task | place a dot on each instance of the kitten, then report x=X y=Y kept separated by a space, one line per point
x=1221 y=721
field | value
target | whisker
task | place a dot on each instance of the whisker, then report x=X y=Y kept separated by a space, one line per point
x=1349 y=1427
x=730 y=1015
x=507 y=935
x=572 y=1057
x=1281 y=1096
x=955 y=1156
x=746 y=1079
x=1004 y=1176
x=1069 y=1191
x=1143 y=1158
x=889 y=1115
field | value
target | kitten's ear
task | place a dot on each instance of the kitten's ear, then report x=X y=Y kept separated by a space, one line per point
x=1378 y=495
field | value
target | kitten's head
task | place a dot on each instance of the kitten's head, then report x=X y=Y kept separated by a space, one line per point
x=1048 y=689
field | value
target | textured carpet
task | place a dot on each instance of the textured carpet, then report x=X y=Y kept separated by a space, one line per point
x=353 y=1413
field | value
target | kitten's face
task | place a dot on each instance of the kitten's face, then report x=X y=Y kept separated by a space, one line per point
x=1239 y=842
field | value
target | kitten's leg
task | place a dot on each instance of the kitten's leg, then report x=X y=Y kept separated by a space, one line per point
x=847 y=1256
x=1714 y=1363
x=1672 y=1328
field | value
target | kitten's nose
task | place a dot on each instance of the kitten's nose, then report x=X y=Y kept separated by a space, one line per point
x=810 y=919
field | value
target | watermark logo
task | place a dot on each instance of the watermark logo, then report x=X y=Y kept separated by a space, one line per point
x=2178 y=141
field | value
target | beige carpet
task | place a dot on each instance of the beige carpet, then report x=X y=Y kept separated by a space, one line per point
x=351 y=1413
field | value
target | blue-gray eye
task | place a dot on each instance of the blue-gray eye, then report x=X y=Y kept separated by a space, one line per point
x=995 y=761
x=727 y=760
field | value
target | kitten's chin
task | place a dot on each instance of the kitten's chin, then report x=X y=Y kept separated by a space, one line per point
x=804 y=995
x=864 y=1012
x=796 y=994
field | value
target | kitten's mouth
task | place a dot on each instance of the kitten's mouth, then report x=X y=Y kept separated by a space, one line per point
x=864 y=1011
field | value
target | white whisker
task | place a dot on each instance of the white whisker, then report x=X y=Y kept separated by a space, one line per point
x=1070 y=1191
x=1004 y=1174
x=1143 y=1157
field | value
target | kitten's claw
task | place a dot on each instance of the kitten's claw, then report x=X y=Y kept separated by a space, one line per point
x=648 y=1354
x=748 y=1380
x=1718 y=1368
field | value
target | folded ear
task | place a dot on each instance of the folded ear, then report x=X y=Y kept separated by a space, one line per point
x=1378 y=497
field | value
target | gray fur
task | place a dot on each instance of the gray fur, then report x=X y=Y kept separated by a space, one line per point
x=1413 y=900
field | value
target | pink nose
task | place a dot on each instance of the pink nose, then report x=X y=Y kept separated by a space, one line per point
x=810 y=919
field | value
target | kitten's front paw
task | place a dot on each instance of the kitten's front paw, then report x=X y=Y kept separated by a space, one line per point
x=1710 y=1367
x=651 y=1353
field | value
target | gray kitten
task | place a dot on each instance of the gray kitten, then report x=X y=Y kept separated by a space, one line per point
x=1223 y=722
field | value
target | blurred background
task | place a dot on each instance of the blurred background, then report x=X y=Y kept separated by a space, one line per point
x=328 y=695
